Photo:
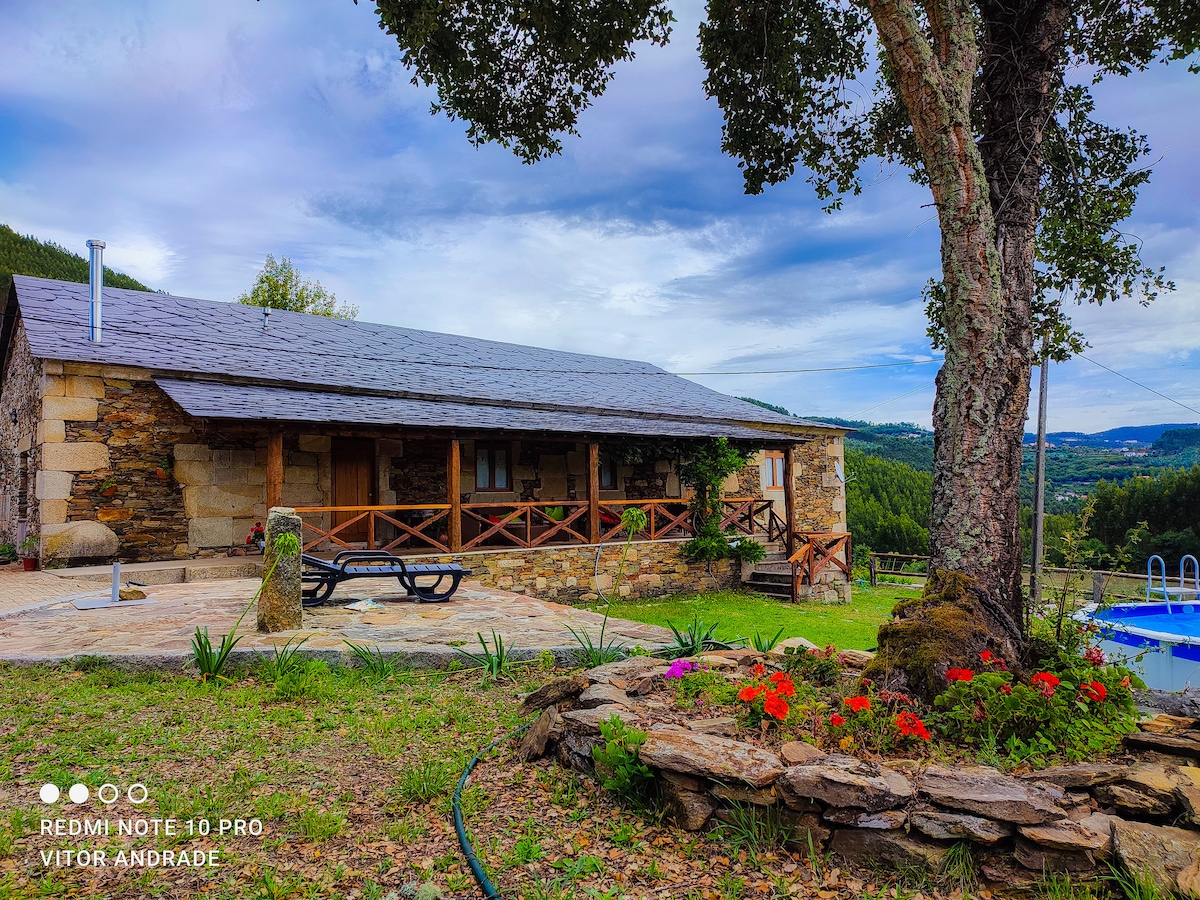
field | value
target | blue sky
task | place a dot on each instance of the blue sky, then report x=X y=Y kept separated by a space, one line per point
x=197 y=138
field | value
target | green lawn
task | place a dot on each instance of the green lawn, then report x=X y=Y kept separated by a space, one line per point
x=349 y=777
x=849 y=627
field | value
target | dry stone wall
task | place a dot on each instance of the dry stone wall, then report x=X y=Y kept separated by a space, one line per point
x=577 y=574
x=820 y=494
x=107 y=488
x=20 y=446
x=1141 y=813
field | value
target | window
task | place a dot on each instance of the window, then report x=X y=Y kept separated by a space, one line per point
x=774 y=481
x=491 y=468
x=608 y=474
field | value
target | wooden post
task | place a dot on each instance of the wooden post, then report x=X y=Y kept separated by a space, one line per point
x=274 y=469
x=789 y=497
x=454 y=489
x=593 y=463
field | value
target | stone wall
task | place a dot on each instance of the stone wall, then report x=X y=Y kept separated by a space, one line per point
x=820 y=494
x=1138 y=813
x=108 y=488
x=20 y=446
x=569 y=574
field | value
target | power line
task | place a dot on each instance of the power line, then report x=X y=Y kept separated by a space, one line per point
x=915 y=362
x=1142 y=386
x=923 y=387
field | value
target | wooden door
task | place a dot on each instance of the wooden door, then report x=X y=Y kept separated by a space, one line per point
x=353 y=483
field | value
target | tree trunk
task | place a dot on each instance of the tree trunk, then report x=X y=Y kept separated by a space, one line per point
x=986 y=199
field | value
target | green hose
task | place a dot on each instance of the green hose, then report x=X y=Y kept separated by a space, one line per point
x=485 y=884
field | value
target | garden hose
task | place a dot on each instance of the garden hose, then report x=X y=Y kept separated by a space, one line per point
x=464 y=843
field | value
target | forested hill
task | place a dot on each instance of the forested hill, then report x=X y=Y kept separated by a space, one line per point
x=26 y=255
x=896 y=441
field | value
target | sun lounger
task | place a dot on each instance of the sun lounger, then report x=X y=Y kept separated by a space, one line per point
x=321 y=576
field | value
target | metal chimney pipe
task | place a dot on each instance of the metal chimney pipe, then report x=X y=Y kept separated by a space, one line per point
x=96 y=277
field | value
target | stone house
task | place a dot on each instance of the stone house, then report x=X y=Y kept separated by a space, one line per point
x=171 y=435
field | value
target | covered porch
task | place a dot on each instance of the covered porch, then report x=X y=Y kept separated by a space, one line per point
x=421 y=494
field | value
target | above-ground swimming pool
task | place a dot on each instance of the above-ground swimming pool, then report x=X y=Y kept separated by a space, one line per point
x=1168 y=635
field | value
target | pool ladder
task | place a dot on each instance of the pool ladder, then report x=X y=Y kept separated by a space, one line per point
x=1167 y=590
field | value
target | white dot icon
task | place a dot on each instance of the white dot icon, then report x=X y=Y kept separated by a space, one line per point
x=49 y=793
x=78 y=793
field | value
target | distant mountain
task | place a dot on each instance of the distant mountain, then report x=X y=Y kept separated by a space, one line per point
x=26 y=255
x=1114 y=438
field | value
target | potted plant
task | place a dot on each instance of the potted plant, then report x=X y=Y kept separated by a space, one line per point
x=29 y=551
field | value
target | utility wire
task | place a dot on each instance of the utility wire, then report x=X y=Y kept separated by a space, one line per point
x=1142 y=386
x=915 y=362
x=923 y=387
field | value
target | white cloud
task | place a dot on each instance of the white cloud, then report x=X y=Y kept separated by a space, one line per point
x=196 y=139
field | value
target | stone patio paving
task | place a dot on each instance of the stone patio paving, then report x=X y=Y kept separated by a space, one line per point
x=34 y=628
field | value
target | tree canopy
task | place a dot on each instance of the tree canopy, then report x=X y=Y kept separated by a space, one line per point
x=280 y=286
x=26 y=255
x=987 y=103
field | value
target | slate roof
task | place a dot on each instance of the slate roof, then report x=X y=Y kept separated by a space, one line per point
x=230 y=401
x=311 y=368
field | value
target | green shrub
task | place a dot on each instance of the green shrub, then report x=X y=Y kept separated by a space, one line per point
x=618 y=764
x=821 y=667
x=747 y=550
x=1074 y=708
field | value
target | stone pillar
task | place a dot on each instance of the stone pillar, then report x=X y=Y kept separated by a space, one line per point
x=279 y=606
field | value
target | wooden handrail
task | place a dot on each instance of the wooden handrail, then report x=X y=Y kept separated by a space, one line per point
x=517 y=521
x=814 y=551
x=415 y=535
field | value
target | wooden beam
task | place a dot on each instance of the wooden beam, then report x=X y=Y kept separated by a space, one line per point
x=593 y=463
x=789 y=497
x=274 y=469
x=454 y=490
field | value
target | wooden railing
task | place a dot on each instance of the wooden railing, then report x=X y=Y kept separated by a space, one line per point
x=753 y=516
x=526 y=524
x=428 y=526
x=814 y=552
x=664 y=519
x=897 y=564
x=421 y=531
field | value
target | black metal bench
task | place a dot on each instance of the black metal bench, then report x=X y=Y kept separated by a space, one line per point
x=320 y=576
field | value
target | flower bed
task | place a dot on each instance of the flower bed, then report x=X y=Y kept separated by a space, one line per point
x=839 y=764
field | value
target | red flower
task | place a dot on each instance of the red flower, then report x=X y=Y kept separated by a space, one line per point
x=758 y=670
x=836 y=721
x=785 y=689
x=910 y=724
x=1045 y=682
x=959 y=674
x=775 y=706
x=857 y=704
x=750 y=694
x=988 y=658
x=1006 y=689
x=1094 y=691
x=779 y=676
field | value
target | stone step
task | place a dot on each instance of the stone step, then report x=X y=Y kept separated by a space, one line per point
x=171 y=572
x=771 y=588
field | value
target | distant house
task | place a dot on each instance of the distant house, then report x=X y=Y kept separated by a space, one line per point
x=175 y=432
